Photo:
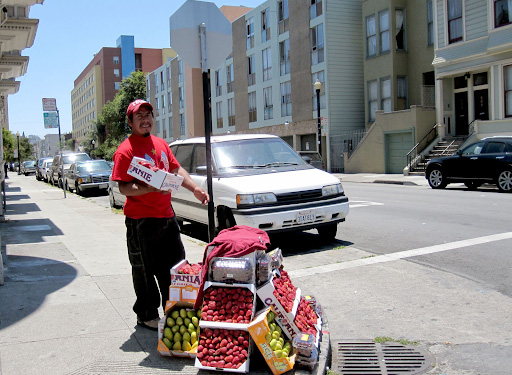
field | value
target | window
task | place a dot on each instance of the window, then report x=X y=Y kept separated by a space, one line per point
x=320 y=76
x=371 y=37
x=182 y=124
x=317 y=44
x=286 y=99
x=372 y=100
x=385 y=94
x=162 y=80
x=180 y=93
x=157 y=126
x=163 y=104
x=231 y=112
x=454 y=21
x=218 y=107
x=157 y=107
x=384 y=31
x=180 y=71
x=250 y=33
x=116 y=72
x=251 y=71
x=168 y=75
x=401 y=93
x=265 y=25
x=164 y=129
x=268 y=105
x=502 y=9
x=230 y=77
x=400 y=29
x=218 y=82
x=430 y=23
x=284 y=57
x=170 y=127
x=283 y=16
x=315 y=10
x=116 y=59
x=156 y=82
x=508 y=90
x=252 y=107
x=169 y=101
x=117 y=85
x=267 y=63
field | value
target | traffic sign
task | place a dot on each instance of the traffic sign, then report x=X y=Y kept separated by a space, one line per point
x=49 y=104
x=184 y=29
x=51 y=120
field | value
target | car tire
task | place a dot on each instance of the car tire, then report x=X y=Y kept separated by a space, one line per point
x=112 y=200
x=328 y=232
x=504 y=181
x=78 y=189
x=472 y=185
x=436 y=178
x=225 y=218
x=68 y=187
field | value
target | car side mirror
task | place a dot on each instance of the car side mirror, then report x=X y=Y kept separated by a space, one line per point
x=201 y=170
x=307 y=159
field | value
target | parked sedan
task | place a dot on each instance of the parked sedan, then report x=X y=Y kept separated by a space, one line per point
x=259 y=181
x=28 y=167
x=84 y=175
x=39 y=168
x=486 y=161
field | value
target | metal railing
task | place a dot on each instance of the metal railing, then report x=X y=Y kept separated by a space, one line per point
x=413 y=156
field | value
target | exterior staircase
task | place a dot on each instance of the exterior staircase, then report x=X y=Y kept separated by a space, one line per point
x=446 y=147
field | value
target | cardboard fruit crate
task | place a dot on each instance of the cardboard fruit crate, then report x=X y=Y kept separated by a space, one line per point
x=161 y=347
x=285 y=319
x=258 y=328
x=159 y=179
x=184 y=287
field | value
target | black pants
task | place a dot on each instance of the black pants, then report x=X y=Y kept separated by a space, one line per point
x=154 y=247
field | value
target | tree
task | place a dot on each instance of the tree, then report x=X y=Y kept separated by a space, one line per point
x=26 y=151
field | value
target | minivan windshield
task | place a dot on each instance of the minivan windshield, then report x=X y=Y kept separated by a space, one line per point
x=254 y=153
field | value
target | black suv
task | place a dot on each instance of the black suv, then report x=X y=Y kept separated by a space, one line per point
x=486 y=161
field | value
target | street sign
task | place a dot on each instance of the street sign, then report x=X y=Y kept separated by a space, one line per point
x=184 y=29
x=51 y=120
x=49 y=104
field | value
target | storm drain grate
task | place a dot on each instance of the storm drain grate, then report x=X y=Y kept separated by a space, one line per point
x=365 y=357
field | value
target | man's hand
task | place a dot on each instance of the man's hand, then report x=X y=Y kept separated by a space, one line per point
x=201 y=195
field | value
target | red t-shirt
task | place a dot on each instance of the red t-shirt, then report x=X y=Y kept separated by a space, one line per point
x=157 y=152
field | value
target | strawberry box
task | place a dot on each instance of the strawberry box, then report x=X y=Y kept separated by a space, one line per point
x=226 y=305
x=284 y=318
x=184 y=286
x=160 y=179
x=224 y=349
x=264 y=338
x=180 y=318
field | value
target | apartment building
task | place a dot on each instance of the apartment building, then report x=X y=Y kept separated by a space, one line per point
x=473 y=67
x=99 y=82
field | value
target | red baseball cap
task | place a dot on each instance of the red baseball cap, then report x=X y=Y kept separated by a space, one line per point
x=136 y=104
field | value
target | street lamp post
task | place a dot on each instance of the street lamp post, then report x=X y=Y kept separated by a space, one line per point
x=19 y=153
x=318 y=86
x=93 y=142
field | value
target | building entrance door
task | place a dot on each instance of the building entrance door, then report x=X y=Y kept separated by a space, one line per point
x=461 y=113
x=482 y=105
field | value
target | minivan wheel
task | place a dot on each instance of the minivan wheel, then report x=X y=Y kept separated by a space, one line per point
x=112 y=200
x=436 y=178
x=328 y=232
x=505 y=181
x=226 y=218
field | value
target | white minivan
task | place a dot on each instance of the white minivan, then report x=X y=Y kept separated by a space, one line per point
x=259 y=181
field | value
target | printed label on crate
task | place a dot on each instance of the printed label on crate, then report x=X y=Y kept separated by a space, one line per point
x=159 y=179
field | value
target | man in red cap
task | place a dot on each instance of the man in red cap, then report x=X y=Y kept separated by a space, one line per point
x=152 y=232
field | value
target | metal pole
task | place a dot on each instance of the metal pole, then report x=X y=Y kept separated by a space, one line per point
x=19 y=155
x=319 y=122
x=207 y=131
x=61 y=161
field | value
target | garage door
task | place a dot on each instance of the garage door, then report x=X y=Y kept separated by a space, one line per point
x=397 y=147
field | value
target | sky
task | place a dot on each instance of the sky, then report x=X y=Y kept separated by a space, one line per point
x=70 y=32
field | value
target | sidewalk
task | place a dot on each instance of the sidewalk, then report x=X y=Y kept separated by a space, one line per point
x=397 y=179
x=66 y=305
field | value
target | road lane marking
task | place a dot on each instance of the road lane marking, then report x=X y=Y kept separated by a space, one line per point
x=354 y=204
x=400 y=255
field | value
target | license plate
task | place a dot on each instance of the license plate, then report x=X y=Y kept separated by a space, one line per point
x=305 y=217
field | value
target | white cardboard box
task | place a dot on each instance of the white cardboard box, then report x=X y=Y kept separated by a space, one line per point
x=159 y=179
